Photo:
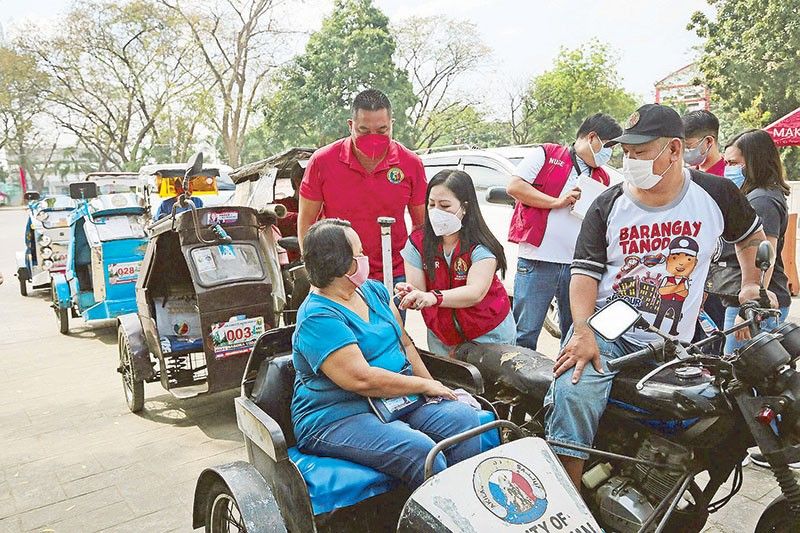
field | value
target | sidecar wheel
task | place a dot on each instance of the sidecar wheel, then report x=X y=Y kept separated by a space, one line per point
x=133 y=388
x=777 y=518
x=222 y=511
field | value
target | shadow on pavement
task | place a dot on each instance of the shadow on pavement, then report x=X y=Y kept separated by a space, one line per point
x=213 y=414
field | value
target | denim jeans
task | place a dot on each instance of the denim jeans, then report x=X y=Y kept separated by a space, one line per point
x=574 y=410
x=535 y=285
x=399 y=448
x=771 y=323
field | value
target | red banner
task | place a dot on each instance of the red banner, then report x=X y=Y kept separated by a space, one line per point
x=786 y=131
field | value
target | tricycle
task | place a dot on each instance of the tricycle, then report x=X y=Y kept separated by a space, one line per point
x=508 y=487
x=107 y=239
x=46 y=240
x=204 y=296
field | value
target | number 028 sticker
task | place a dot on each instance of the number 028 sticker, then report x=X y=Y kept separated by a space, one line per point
x=119 y=273
x=236 y=336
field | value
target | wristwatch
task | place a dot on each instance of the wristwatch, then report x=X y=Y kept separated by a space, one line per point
x=439 y=297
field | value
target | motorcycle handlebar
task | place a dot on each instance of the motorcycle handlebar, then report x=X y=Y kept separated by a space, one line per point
x=645 y=354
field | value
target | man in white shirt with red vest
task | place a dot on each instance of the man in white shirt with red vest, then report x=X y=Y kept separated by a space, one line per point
x=545 y=188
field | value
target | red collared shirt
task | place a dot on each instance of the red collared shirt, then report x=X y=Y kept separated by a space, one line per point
x=335 y=177
x=718 y=168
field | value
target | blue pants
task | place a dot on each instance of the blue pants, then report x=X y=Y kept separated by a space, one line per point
x=399 y=448
x=574 y=410
x=535 y=286
x=771 y=323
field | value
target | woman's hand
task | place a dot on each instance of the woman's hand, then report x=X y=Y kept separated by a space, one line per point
x=402 y=289
x=434 y=389
x=417 y=299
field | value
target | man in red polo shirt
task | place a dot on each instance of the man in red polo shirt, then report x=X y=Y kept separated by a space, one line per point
x=365 y=176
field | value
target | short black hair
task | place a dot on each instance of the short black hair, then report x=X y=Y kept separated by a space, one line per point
x=603 y=125
x=701 y=123
x=327 y=252
x=371 y=100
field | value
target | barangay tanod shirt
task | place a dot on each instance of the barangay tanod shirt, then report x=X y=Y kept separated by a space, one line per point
x=657 y=258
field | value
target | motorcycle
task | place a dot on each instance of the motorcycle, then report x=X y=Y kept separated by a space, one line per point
x=673 y=414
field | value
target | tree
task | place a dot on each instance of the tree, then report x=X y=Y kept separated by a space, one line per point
x=436 y=52
x=238 y=42
x=750 y=61
x=351 y=52
x=114 y=69
x=21 y=98
x=580 y=84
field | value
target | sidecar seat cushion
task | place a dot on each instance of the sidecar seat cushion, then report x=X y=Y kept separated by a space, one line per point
x=335 y=483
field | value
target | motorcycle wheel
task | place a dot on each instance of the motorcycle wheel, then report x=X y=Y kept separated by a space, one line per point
x=62 y=315
x=133 y=388
x=777 y=518
x=23 y=287
x=222 y=511
x=551 y=320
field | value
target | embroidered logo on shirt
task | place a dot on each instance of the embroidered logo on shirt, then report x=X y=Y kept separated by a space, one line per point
x=461 y=268
x=395 y=175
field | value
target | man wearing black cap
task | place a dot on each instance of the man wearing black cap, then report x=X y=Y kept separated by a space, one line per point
x=635 y=223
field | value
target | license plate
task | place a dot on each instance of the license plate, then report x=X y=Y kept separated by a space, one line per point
x=121 y=273
x=236 y=336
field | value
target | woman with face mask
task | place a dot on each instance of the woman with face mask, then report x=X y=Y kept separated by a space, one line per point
x=754 y=165
x=451 y=268
x=350 y=351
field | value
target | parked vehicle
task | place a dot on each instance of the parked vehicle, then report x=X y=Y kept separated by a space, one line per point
x=676 y=416
x=46 y=240
x=204 y=296
x=106 y=245
x=213 y=185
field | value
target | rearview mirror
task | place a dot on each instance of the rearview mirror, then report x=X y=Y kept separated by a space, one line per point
x=764 y=256
x=195 y=165
x=613 y=320
x=32 y=196
x=83 y=190
x=498 y=195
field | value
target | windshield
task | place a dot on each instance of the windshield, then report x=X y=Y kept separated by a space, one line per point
x=225 y=263
x=115 y=188
x=57 y=202
x=115 y=227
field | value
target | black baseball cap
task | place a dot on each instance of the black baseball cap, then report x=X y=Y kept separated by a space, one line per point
x=650 y=122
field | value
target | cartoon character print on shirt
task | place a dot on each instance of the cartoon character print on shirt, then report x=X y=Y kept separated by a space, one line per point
x=659 y=261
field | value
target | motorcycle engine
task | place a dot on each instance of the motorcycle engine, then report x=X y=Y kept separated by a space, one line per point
x=625 y=502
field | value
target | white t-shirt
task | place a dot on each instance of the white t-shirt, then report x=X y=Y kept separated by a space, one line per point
x=558 y=243
x=657 y=259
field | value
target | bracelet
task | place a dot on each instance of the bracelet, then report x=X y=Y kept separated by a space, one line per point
x=439 y=297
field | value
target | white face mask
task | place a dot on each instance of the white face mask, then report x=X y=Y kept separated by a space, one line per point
x=444 y=222
x=639 y=172
x=603 y=156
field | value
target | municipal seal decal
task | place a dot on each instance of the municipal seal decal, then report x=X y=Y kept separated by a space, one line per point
x=395 y=175
x=509 y=490
x=632 y=120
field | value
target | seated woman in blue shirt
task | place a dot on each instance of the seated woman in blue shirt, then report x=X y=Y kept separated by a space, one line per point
x=349 y=345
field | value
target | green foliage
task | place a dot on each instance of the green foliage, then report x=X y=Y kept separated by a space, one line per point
x=351 y=52
x=467 y=125
x=751 y=60
x=582 y=82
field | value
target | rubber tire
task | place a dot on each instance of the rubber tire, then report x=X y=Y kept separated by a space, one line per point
x=776 y=519
x=23 y=287
x=552 y=324
x=63 y=320
x=217 y=489
x=135 y=400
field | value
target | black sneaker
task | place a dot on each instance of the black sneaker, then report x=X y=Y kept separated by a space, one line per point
x=760 y=460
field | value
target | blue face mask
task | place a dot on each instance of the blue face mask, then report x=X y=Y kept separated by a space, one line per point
x=602 y=157
x=735 y=173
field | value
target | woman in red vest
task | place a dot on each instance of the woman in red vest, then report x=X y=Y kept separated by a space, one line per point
x=451 y=269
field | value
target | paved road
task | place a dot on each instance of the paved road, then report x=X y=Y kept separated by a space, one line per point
x=73 y=459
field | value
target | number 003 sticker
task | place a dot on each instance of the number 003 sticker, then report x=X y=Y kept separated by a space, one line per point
x=236 y=336
x=119 y=273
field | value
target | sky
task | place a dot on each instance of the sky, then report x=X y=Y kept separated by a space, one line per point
x=649 y=36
